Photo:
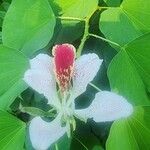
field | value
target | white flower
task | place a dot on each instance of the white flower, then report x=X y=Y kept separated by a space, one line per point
x=72 y=77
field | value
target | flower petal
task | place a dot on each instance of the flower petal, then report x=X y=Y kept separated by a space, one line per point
x=86 y=68
x=43 y=134
x=107 y=106
x=64 y=58
x=40 y=77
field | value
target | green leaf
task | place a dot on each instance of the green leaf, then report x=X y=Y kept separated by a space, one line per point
x=138 y=12
x=12 y=132
x=84 y=139
x=125 y=80
x=68 y=26
x=33 y=111
x=97 y=147
x=127 y=22
x=132 y=133
x=64 y=142
x=28 y=25
x=13 y=64
x=113 y=2
x=76 y=8
x=87 y=142
x=64 y=33
x=139 y=53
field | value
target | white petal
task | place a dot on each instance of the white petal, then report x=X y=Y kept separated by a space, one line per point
x=107 y=106
x=41 y=78
x=43 y=134
x=42 y=62
x=86 y=68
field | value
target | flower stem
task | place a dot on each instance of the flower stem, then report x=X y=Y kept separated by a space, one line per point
x=94 y=86
x=81 y=143
x=70 y=18
x=85 y=35
x=104 y=39
x=104 y=7
x=56 y=147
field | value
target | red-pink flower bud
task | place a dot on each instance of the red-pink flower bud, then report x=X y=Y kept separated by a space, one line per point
x=64 y=58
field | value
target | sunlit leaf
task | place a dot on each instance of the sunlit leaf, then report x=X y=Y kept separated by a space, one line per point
x=13 y=64
x=76 y=8
x=28 y=25
x=125 y=79
x=127 y=22
x=132 y=133
x=12 y=132
x=68 y=9
x=139 y=53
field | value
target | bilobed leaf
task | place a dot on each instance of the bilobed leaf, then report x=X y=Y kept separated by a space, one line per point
x=132 y=133
x=76 y=8
x=7 y=98
x=12 y=132
x=28 y=25
x=115 y=25
x=138 y=12
x=139 y=53
x=125 y=79
x=13 y=64
x=127 y=22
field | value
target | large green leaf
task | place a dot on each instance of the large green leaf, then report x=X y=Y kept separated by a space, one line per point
x=127 y=22
x=12 y=132
x=139 y=53
x=76 y=8
x=13 y=64
x=28 y=25
x=132 y=133
x=65 y=8
x=138 y=12
x=125 y=79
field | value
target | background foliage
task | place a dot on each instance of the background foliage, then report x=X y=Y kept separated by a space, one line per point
x=117 y=30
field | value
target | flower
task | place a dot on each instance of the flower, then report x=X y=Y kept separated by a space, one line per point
x=72 y=77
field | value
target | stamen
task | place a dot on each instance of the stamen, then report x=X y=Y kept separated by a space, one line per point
x=64 y=57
